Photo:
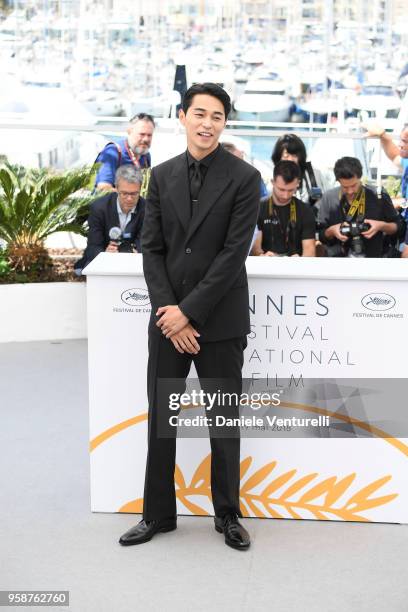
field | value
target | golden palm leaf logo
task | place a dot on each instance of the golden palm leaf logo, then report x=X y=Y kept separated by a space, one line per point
x=266 y=494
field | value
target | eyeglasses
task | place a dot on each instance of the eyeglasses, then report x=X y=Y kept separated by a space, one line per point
x=142 y=117
x=129 y=194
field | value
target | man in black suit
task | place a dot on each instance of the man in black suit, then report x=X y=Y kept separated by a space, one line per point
x=123 y=209
x=200 y=218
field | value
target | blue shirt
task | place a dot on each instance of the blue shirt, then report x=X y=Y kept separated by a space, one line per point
x=109 y=157
x=404 y=180
x=264 y=191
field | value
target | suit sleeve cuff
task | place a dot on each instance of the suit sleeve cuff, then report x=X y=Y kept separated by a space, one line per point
x=190 y=318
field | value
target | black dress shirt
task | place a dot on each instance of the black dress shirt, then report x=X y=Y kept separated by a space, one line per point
x=203 y=165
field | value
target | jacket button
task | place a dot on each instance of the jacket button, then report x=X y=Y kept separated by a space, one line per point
x=188 y=251
x=183 y=282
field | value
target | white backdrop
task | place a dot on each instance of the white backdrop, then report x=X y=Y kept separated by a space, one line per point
x=351 y=315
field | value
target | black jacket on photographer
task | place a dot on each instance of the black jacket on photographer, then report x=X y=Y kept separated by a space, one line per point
x=279 y=233
x=103 y=216
x=333 y=209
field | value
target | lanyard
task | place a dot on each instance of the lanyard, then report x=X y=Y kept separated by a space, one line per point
x=292 y=219
x=133 y=157
x=358 y=205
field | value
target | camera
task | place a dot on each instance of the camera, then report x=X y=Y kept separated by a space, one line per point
x=125 y=245
x=353 y=232
x=122 y=240
x=315 y=193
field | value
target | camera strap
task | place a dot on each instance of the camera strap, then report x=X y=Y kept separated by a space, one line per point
x=310 y=177
x=358 y=206
x=311 y=174
x=118 y=149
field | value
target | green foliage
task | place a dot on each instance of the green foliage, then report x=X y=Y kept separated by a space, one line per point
x=35 y=204
x=4 y=264
x=146 y=172
x=392 y=185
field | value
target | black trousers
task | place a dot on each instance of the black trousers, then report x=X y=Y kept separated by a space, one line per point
x=216 y=360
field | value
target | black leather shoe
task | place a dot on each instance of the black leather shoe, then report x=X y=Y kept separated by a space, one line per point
x=145 y=530
x=235 y=534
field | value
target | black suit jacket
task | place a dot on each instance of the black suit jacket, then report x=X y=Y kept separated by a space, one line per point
x=199 y=263
x=103 y=216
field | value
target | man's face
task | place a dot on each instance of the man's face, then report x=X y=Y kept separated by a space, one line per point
x=140 y=136
x=350 y=187
x=283 y=192
x=128 y=195
x=204 y=122
x=403 y=143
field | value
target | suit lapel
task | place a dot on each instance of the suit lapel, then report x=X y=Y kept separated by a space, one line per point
x=113 y=211
x=179 y=190
x=216 y=181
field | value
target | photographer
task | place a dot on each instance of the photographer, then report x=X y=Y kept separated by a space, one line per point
x=132 y=150
x=313 y=183
x=115 y=220
x=352 y=218
x=286 y=225
x=398 y=154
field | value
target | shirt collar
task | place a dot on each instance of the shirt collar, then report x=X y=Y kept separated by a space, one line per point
x=120 y=211
x=206 y=161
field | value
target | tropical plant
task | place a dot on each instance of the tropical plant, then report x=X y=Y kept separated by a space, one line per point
x=35 y=204
x=4 y=264
x=392 y=185
x=146 y=172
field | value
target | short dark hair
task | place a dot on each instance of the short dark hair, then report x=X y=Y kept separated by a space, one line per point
x=293 y=145
x=211 y=89
x=288 y=170
x=347 y=168
x=142 y=117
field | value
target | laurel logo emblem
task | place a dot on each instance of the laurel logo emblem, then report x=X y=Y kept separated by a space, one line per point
x=266 y=493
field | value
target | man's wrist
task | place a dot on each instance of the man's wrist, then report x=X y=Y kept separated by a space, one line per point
x=182 y=312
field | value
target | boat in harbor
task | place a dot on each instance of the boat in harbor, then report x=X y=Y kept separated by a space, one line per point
x=38 y=105
x=263 y=100
x=376 y=101
x=103 y=103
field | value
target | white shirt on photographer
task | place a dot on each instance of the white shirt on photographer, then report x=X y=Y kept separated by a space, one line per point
x=124 y=218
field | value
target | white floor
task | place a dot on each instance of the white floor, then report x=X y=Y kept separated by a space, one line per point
x=50 y=540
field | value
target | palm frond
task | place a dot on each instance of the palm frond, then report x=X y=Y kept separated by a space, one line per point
x=35 y=203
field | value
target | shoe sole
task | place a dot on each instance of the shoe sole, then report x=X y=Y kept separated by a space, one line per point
x=162 y=530
x=245 y=547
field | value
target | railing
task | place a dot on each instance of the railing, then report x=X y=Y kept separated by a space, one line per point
x=116 y=126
